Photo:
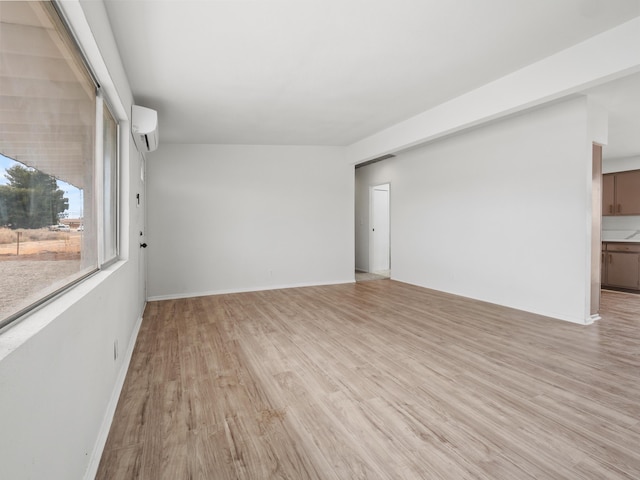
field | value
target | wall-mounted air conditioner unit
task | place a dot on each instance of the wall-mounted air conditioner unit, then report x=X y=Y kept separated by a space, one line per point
x=144 y=127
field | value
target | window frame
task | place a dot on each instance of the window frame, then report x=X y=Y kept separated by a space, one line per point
x=101 y=262
x=105 y=259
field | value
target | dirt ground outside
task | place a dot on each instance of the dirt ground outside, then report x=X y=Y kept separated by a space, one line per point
x=32 y=269
x=68 y=243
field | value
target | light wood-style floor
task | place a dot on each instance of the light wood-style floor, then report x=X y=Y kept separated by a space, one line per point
x=377 y=380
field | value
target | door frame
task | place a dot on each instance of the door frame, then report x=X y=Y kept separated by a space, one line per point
x=596 y=232
x=371 y=223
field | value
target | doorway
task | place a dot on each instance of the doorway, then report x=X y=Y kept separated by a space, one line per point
x=141 y=226
x=596 y=232
x=380 y=239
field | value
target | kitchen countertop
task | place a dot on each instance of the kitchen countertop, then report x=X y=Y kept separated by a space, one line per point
x=621 y=236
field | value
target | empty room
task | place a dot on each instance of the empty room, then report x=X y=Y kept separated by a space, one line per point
x=319 y=240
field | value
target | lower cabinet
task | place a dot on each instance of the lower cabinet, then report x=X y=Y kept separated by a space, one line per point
x=621 y=265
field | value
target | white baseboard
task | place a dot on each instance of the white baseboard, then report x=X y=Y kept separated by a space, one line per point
x=101 y=441
x=177 y=296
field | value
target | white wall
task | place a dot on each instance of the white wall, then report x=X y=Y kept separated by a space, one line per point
x=238 y=218
x=610 y=165
x=500 y=213
x=58 y=377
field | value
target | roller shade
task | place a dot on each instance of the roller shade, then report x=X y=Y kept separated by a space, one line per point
x=47 y=98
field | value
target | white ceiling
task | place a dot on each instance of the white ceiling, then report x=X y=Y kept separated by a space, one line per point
x=331 y=72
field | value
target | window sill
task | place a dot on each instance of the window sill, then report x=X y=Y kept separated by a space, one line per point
x=21 y=331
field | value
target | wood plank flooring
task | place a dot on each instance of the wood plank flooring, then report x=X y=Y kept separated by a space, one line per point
x=377 y=380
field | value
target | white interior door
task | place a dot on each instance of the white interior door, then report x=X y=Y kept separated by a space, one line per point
x=380 y=245
x=141 y=233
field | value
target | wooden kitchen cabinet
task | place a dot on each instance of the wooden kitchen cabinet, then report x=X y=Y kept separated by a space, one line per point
x=628 y=193
x=621 y=265
x=608 y=194
x=621 y=193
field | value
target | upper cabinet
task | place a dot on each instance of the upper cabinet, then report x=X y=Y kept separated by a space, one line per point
x=608 y=194
x=621 y=193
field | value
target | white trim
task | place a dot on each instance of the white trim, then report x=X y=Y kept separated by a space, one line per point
x=101 y=439
x=245 y=290
x=98 y=178
x=77 y=21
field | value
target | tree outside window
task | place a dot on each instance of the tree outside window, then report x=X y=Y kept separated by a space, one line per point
x=31 y=199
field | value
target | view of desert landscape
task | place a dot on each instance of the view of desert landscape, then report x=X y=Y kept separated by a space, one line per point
x=32 y=260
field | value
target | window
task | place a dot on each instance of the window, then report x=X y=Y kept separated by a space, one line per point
x=58 y=210
x=110 y=183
